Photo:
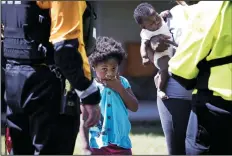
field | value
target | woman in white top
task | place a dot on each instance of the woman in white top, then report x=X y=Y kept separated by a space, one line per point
x=174 y=111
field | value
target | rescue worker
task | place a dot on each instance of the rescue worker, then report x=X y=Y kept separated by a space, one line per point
x=203 y=62
x=33 y=91
x=70 y=57
x=3 y=66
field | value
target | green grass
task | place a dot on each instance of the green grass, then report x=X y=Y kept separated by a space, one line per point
x=146 y=139
x=3 y=145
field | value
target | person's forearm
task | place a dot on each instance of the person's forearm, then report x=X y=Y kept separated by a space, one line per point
x=70 y=63
x=129 y=99
x=84 y=134
x=143 y=51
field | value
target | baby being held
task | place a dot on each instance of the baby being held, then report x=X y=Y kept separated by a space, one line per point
x=152 y=25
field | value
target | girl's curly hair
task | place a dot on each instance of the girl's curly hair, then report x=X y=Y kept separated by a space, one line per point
x=106 y=48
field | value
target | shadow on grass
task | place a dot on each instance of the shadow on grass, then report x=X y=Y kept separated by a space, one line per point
x=149 y=128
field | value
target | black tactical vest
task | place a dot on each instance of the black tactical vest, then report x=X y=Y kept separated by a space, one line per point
x=26 y=30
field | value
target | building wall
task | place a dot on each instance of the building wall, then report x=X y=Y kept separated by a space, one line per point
x=115 y=18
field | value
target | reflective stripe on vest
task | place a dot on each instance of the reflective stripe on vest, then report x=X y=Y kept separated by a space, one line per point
x=204 y=73
x=204 y=95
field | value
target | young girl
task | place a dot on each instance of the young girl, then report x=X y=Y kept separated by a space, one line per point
x=111 y=135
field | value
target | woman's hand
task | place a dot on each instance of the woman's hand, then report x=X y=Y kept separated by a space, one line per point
x=163 y=42
x=165 y=14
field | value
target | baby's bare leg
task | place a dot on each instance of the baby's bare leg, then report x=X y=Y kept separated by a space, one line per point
x=164 y=76
x=163 y=80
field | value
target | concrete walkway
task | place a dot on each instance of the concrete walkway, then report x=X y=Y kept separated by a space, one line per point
x=147 y=112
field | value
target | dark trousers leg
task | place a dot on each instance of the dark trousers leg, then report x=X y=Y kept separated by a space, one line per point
x=209 y=131
x=3 y=107
x=3 y=103
x=33 y=96
x=19 y=133
x=66 y=133
x=174 y=115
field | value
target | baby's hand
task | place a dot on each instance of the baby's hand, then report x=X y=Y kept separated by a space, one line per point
x=162 y=95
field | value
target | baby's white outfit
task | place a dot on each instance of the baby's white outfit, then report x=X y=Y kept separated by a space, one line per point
x=147 y=35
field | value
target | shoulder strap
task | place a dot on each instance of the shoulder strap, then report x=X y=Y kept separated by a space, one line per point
x=206 y=65
x=204 y=70
x=220 y=61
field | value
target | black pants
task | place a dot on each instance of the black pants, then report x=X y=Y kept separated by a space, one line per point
x=174 y=115
x=33 y=97
x=3 y=66
x=3 y=103
x=209 y=130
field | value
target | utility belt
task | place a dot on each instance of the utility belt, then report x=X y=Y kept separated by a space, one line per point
x=204 y=95
x=70 y=102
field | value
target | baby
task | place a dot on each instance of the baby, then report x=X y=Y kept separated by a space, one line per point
x=152 y=25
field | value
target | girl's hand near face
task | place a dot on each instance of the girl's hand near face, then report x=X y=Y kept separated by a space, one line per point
x=126 y=94
x=114 y=84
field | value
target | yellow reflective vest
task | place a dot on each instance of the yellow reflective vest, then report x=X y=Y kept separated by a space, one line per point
x=207 y=38
x=67 y=24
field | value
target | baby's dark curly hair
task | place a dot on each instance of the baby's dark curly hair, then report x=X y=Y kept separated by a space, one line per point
x=141 y=11
x=105 y=49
